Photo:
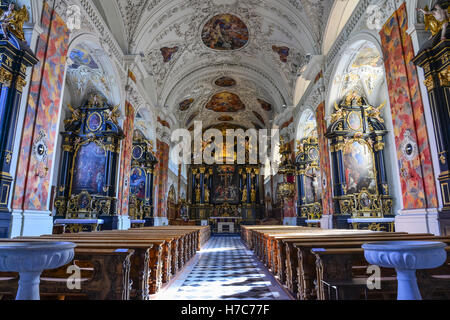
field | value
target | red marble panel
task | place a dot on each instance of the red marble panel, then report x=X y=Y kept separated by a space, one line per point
x=417 y=176
x=125 y=160
x=33 y=180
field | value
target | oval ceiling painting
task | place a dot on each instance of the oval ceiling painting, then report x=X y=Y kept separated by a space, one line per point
x=225 y=82
x=225 y=102
x=225 y=32
x=225 y=118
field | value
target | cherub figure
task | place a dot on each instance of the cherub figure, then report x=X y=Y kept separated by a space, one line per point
x=436 y=20
x=6 y=19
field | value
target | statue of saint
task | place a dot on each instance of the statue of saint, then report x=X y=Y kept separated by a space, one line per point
x=7 y=19
x=436 y=20
x=206 y=195
x=253 y=195
x=12 y=20
x=198 y=193
x=244 y=195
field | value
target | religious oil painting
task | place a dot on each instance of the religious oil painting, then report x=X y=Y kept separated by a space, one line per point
x=225 y=185
x=94 y=122
x=312 y=186
x=225 y=102
x=265 y=105
x=89 y=169
x=355 y=121
x=225 y=32
x=225 y=82
x=186 y=104
x=359 y=168
x=137 y=182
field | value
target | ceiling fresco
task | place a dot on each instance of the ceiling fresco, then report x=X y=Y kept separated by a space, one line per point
x=259 y=117
x=225 y=82
x=225 y=32
x=225 y=102
x=191 y=48
x=225 y=118
x=86 y=74
x=186 y=104
x=265 y=105
x=81 y=57
x=168 y=53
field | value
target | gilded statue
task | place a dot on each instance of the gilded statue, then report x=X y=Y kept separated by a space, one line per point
x=253 y=195
x=12 y=20
x=436 y=20
x=76 y=115
x=198 y=194
x=206 y=195
x=113 y=115
x=244 y=195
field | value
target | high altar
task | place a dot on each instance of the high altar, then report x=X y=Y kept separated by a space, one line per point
x=226 y=196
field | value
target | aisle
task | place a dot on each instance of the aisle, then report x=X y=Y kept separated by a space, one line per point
x=224 y=270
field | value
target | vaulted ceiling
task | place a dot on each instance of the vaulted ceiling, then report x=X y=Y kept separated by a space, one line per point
x=186 y=46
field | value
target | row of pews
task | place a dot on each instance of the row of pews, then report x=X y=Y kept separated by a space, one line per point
x=116 y=265
x=317 y=264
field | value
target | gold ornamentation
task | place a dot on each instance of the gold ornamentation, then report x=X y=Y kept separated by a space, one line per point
x=8 y=158
x=114 y=115
x=13 y=20
x=443 y=159
x=429 y=83
x=76 y=115
x=207 y=195
x=20 y=83
x=444 y=77
x=436 y=20
x=376 y=112
x=244 y=195
x=5 y=77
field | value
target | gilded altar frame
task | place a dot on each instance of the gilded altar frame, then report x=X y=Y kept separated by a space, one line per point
x=309 y=209
x=361 y=192
x=93 y=124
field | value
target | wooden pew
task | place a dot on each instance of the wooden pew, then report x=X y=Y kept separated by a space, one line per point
x=338 y=266
x=160 y=261
x=342 y=262
x=287 y=259
x=106 y=278
x=159 y=251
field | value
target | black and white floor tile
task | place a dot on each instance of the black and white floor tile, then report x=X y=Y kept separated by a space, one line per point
x=224 y=270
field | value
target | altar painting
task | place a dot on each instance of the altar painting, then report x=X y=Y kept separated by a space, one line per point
x=359 y=168
x=225 y=185
x=89 y=169
x=137 y=182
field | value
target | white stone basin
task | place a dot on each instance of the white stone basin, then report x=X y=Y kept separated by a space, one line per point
x=30 y=260
x=406 y=257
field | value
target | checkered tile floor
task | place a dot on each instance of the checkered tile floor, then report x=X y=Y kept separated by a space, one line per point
x=224 y=270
